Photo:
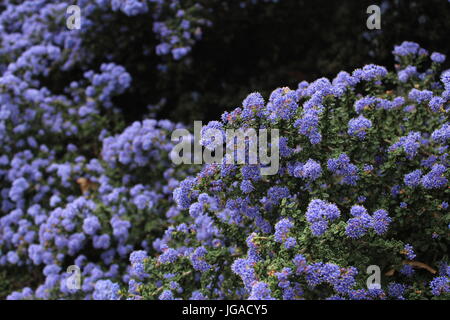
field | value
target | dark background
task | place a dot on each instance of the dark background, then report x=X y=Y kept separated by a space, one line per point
x=260 y=48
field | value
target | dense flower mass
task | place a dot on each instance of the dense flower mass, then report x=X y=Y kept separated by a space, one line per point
x=363 y=177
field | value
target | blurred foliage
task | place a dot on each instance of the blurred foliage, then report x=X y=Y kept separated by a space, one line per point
x=257 y=48
x=16 y=278
x=266 y=46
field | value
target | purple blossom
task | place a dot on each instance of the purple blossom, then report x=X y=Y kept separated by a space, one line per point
x=260 y=291
x=437 y=57
x=413 y=178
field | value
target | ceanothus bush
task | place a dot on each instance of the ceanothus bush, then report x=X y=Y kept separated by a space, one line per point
x=363 y=176
x=363 y=181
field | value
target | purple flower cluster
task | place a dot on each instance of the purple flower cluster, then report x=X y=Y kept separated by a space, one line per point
x=435 y=179
x=362 y=222
x=440 y=285
x=408 y=48
x=420 y=96
x=407 y=73
x=106 y=290
x=342 y=168
x=319 y=214
x=310 y=170
x=357 y=127
x=409 y=252
x=260 y=291
x=282 y=231
x=410 y=144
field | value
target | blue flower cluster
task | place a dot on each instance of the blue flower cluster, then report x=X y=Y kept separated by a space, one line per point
x=362 y=222
x=319 y=214
x=229 y=205
x=75 y=187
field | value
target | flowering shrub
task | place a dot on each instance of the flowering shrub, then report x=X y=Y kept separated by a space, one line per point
x=363 y=181
x=69 y=195
x=72 y=193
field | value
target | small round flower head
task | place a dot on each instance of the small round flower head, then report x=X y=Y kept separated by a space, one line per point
x=244 y=269
x=436 y=104
x=435 y=179
x=357 y=127
x=412 y=179
x=12 y=257
x=106 y=290
x=166 y=295
x=341 y=166
x=138 y=256
x=252 y=106
x=370 y=72
x=247 y=186
x=251 y=172
x=407 y=73
x=380 y=221
x=310 y=170
x=282 y=229
x=319 y=213
x=318 y=228
x=196 y=209
x=212 y=135
x=276 y=194
x=406 y=48
x=357 y=211
x=308 y=125
x=319 y=272
x=440 y=285
x=290 y=243
x=358 y=226
x=420 y=96
x=364 y=104
x=180 y=52
x=198 y=261
x=407 y=270
x=285 y=150
x=284 y=274
x=396 y=290
x=18 y=188
x=91 y=225
x=260 y=291
x=437 y=57
x=197 y=295
x=442 y=134
x=409 y=143
x=137 y=263
x=300 y=264
x=282 y=104
x=54 y=200
x=182 y=194
x=361 y=199
x=168 y=256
